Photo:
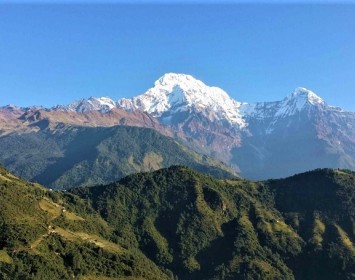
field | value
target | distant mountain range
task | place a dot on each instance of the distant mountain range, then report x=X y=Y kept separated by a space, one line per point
x=260 y=140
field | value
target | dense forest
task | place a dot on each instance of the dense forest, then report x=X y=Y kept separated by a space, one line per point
x=176 y=223
x=70 y=156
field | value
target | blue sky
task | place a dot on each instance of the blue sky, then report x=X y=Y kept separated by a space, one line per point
x=56 y=53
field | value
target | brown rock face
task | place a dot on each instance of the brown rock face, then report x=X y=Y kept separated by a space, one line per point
x=20 y=120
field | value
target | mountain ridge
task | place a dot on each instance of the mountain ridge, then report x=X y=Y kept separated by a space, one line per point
x=188 y=89
x=295 y=134
x=78 y=156
x=178 y=223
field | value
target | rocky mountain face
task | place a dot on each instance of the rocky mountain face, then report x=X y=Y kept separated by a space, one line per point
x=260 y=140
x=102 y=104
x=298 y=133
x=204 y=117
x=174 y=94
x=21 y=120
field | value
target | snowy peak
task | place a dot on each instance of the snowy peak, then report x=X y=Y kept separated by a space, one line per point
x=172 y=79
x=101 y=104
x=105 y=103
x=306 y=95
x=186 y=83
x=174 y=93
x=300 y=99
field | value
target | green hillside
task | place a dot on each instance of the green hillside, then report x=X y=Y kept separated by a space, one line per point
x=86 y=156
x=320 y=206
x=50 y=235
x=176 y=223
x=202 y=228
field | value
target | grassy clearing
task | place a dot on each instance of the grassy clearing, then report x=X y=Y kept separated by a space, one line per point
x=318 y=231
x=50 y=207
x=4 y=178
x=263 y=265
x=91 y=238
x=11 y=176
x=55 y=210
x=271 y=223
x=152 y=161
x=72 y=217
x=35 y=243
x=345 y=239
x=340 y=172
x=131 y=162
x=66 y=234
x=160 y=240
x=100 y=242
x=4 y=257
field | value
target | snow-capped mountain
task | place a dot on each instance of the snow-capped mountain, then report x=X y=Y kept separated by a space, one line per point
x=298 y=133
x=297 y=101
x=262 y=140
x=265 y=139
x=301 y=99
x=101 y=104
x=176 y=93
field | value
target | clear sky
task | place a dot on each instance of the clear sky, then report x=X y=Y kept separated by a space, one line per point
x=56 y=53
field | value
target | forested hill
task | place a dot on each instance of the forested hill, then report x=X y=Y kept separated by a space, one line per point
x=71 y=156
x=203 y=228
x=176 y=223
x=52 y=235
